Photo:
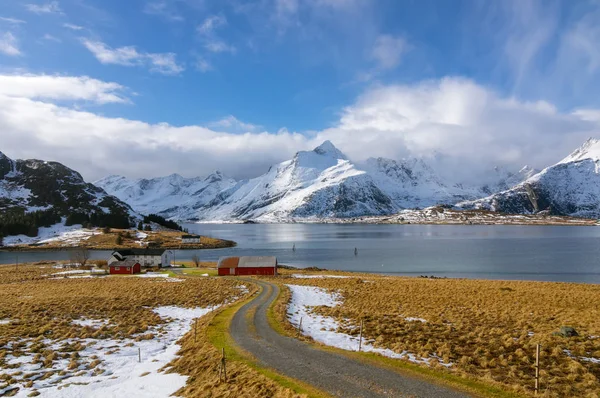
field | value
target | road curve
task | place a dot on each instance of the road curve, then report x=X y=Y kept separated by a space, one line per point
x=333 y=373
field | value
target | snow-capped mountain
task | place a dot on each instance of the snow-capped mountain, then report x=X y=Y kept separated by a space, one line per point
x=318 y=183
x=35 y=185
x=570 y=187
x=172 y=196
x=322 y=183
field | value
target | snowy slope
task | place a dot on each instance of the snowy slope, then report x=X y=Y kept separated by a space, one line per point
x=31 y=185
x=318 y=183
x=321 y=183
x=570 y=187
x=412 y=183
x=172 y=196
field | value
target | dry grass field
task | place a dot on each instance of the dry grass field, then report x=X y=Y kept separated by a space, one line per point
x=38 y=324
x=488 y=330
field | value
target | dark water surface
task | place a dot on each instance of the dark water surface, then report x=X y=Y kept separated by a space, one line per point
x=550 y=253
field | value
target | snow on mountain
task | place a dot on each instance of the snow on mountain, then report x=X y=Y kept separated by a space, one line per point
x=318 y=183
x=570 y=187
x=172 y=196
x=37 y=185
x=321 y=183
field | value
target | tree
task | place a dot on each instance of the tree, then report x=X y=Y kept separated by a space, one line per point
x=106 y=230
x=119 y=240
x=80 y=256
x=196 y=260
x=148 y=227
x=140 y=226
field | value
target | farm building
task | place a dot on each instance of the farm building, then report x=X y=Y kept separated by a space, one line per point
x=263 y=265
x=190 y=239
x=146 y=257
x=125 y=267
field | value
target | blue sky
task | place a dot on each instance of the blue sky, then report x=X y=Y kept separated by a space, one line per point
x=301 y=71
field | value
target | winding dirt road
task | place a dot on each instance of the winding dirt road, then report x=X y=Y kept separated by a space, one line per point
x=333 y=373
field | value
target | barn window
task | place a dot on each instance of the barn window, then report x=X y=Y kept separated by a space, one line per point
x=128 y=268
x=117 y=268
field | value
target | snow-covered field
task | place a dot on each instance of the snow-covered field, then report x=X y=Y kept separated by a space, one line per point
x=107 y=368
x=324 y=328
x=70 y=235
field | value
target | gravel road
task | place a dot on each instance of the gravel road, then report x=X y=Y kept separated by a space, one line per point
x=330 y=372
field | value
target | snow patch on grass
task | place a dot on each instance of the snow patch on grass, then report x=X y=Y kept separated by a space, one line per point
x=4 y=321
x=94 y=323
x=108 y=368
x=70 y=236
x=324 y=328
x=165 y=277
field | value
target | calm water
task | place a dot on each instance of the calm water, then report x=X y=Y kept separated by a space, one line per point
x=570 y=254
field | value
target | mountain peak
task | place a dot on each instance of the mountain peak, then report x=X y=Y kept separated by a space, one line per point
x=328 y=149
x=589 y=150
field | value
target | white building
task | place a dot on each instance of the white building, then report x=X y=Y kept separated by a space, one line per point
x=190 y=239
x=146 y=257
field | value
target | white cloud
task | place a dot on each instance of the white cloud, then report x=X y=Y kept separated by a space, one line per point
x=210 y=24
x=233 y=125
x=72 y=26
x=473 y=127
x=388 y=50
x=210 y=40
x=49 y=37
x=469 y=126
x=12 y=20
x=61 y=88
x=163 y=9
x=165 y=63
x=203 y=65
x=46 y=8
x=9 y=44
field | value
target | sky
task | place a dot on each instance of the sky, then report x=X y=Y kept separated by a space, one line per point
x=146 y=88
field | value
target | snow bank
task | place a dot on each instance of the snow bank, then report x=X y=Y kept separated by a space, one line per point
x=123 y=374
x=301 y=276
x=71 y=235
x=324 y=328
x=94 y=323
x=165 y=277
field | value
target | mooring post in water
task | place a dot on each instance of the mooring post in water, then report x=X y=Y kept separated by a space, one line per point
x=360 y=338
x=356 y=251
x=537 y=369
x=294 y=248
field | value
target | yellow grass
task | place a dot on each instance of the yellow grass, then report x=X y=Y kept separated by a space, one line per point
x=488 y=330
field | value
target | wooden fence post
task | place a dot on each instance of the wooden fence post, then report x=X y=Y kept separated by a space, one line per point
x=139 y=354
x=223 y=368
x=195 y=329
x=537 y=369
x=299 y=328
x=360 y=338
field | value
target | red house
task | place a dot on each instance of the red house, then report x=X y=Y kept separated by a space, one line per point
x=127 y=267
x=260 y=265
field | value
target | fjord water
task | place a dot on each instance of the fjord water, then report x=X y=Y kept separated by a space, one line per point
x=547 y=253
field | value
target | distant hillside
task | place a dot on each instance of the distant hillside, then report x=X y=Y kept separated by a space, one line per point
x=570 y=187
x=35 y=193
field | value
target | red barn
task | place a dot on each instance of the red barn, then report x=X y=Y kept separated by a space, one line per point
x=247 y=265
x=127 y=267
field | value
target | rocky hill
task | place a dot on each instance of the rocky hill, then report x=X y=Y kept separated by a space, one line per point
x=570 y=187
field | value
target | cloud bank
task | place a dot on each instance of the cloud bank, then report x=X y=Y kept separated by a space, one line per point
x=463 y=127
